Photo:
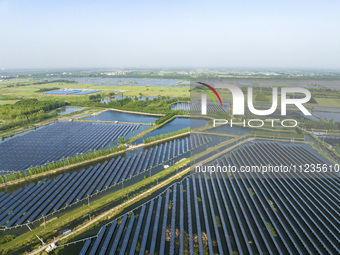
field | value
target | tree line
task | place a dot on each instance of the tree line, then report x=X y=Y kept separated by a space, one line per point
x=27 y=111
x=163 y=136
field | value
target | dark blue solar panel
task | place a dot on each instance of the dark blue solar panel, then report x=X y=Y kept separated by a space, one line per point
x=127 y=235
x=146 y=228
x=181 y=221
x=108 y=238
x=165 y=221
x=57 y=141
x=156 y=226
x=118 y=235
x=138 y=230
x=85 y=247
x=173 y=220
x=98 y=241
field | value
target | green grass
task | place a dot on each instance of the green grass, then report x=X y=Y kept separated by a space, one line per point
x=277 y=134
x=3 y=102
x=328 y=102
x=271 y=229
x=251 y=191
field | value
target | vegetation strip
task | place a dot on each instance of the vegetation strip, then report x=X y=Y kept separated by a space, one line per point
x=167 y=135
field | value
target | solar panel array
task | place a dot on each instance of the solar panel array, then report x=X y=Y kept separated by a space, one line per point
x=196 y=107
x=48 y=196
x=71 y=92
x=85 y=92
x=58 y=140
x=226 y=213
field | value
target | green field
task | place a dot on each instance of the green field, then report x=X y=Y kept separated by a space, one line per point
x=22 y=87
x=2 y=102
x=328 y=102
x=30 y=90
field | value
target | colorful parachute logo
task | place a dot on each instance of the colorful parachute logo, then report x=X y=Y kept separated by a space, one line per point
x=209 y=93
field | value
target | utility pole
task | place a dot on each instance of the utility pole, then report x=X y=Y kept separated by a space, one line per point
x=42 y=241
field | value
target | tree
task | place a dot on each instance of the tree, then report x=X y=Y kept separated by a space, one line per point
x=122 y=139
x=298 y=131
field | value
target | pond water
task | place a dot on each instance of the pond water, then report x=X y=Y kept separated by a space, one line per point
x=310 y=117
x=143 y=98
x=174 y=125
x=328 y=109
x=225 y=129
x=106 y=100
x=122 y=117
x=69 y=109
x=328 y=116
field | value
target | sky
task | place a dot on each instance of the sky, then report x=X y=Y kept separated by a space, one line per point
x=298 y=34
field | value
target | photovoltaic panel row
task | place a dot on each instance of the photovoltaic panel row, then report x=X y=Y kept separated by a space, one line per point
x=28 y=204
x=234 y=213
x=196 y=107
x=58 y=140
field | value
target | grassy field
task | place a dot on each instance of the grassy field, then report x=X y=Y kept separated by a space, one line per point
x=30 y=90
x=328 y=102
x=2 y=102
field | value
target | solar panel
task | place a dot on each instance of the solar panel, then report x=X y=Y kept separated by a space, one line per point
x=181 y=221
x=156 y=226
x=164 y=224
x=190 y=227
x=127 y=235
x=98 y=241
x=57 y=140
x=198 y=222
x=85 y=247
x=146 y=228
x=173 y=220
x=108 y=238
x=137 y=231
x=236 y=212
x=118 y=235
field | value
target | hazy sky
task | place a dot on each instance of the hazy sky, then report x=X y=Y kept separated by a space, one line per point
x=234 y=33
